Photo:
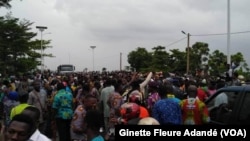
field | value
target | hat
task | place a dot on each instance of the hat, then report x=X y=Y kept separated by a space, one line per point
x=13 y=95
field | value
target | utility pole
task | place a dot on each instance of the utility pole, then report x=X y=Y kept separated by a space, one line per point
x=120 y=61
x=188 y=50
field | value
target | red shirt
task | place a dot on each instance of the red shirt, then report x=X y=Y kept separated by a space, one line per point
x=201 y=94
x=143 y=112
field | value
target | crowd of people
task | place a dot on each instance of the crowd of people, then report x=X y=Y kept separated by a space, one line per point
x=87 y=106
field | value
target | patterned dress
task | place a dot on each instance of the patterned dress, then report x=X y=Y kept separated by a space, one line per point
x=152 y=99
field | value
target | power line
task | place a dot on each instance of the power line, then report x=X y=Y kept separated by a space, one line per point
x=221 y=33
x=176 y=41
x=216 y=34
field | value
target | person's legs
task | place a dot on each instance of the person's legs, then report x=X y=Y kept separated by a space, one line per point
x=106 y=123
x=48 y=129
x=63 y=127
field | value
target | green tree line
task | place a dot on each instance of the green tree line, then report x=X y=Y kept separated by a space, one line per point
x=175 y=61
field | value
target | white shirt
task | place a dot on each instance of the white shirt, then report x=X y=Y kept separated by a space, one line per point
x=38 y=136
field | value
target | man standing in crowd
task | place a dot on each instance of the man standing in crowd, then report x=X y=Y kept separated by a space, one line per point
x=105 y=94
x=63 y=111
x=194 y=111
x=167 y=111
x=38 y=99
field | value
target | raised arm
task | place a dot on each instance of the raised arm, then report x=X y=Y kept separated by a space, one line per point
x=145 y=82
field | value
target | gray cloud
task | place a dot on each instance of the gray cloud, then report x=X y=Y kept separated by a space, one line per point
x=118 y=26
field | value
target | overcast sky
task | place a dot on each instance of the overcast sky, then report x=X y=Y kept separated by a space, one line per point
x=120 y=26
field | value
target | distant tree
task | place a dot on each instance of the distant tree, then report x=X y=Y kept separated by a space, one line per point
x=238 y=62
x=139 y=59
x=198 y=54
x=177 y=61
x=217 y=63
x=159 y=59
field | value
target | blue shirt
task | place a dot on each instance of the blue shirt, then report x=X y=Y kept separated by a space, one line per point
x=167 y=111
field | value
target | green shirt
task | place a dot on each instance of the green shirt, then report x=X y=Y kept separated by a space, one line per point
x=63 y=102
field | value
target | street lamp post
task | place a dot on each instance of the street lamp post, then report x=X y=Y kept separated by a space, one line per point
x=43 y=62
x=41 y=29
x=228 y=34
x=188 y=51
x=93 y=47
